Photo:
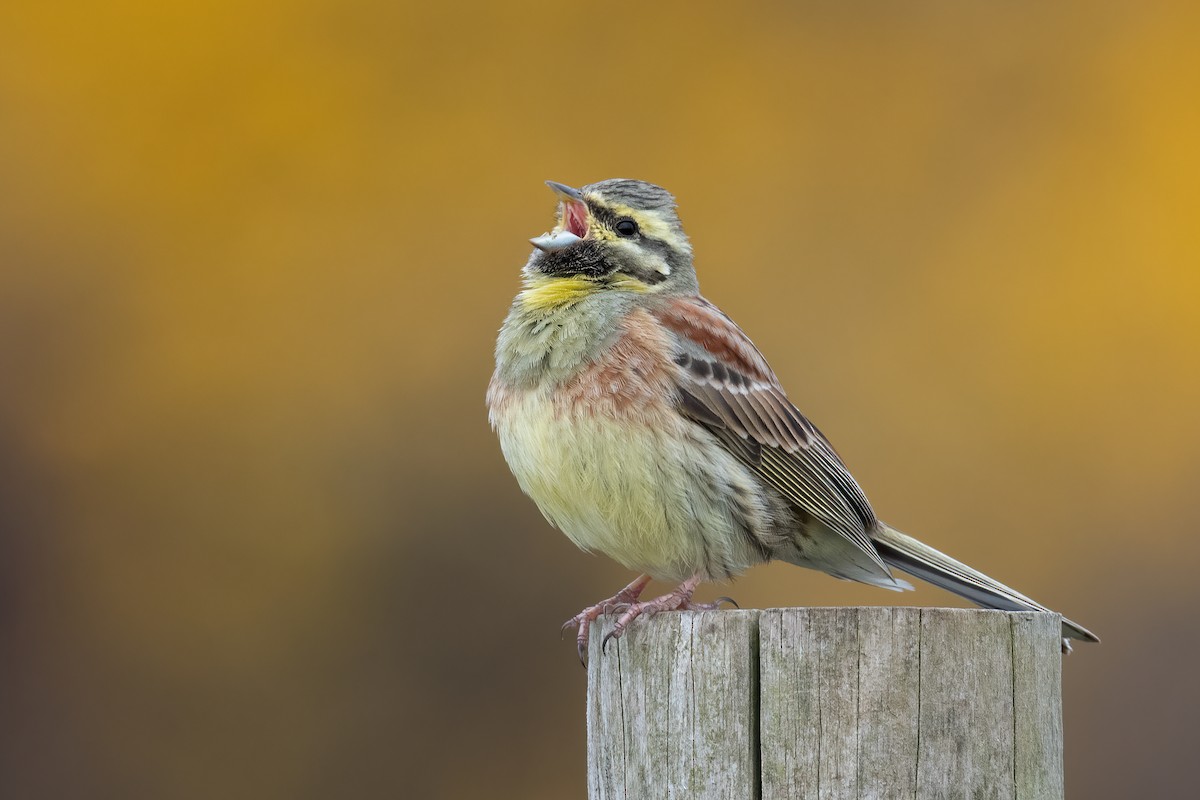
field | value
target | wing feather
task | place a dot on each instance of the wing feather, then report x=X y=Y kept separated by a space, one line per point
x=726 y=386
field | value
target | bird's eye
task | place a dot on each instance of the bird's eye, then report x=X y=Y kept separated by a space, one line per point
x=626 y=228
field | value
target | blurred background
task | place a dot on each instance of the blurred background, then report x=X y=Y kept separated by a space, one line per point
x=257 y=538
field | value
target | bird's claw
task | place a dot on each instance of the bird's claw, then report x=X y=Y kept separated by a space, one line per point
x=584 y=619
x=625 y=602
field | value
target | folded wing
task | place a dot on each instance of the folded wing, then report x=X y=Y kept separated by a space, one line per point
x=726 y=386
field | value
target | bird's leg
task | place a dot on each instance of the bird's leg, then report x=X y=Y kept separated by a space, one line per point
x=678 y=600
x=713 y=606
x=625 y=598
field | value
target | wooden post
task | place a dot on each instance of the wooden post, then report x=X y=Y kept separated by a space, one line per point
x=673 y=708
x=827 y=703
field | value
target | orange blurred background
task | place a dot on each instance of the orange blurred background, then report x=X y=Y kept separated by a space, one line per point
x=258 y=540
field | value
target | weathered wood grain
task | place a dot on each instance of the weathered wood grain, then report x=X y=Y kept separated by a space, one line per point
x=864 y=703
x=889 y=696
x=1037 y=693
x=838 y=686
x=672 y=709
x=965 y=719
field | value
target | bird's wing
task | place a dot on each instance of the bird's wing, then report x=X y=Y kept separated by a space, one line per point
x=727 y=386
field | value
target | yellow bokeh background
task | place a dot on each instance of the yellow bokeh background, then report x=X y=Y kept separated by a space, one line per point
x=256 y=539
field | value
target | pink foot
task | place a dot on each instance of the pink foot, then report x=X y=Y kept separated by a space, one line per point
x=584 y=619
x=678 y=600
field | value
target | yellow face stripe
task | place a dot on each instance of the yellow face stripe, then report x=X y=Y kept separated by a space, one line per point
x=649 y=223
x=546 y=293
x=630 y=284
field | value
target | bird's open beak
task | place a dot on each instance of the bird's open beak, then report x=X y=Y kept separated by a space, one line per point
x=573 y=224
x=565 y=191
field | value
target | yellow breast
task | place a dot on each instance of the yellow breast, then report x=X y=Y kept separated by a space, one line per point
x=652 y=493
x=611 y=487
x=611 y=463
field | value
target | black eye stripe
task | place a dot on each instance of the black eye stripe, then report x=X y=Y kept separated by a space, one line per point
x=605 y=216
x=610 y=220
x=675 y=259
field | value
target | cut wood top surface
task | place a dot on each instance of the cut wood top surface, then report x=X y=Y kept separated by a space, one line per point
x=828 y=703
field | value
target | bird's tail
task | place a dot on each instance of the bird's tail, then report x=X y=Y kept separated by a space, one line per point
x=922 y=561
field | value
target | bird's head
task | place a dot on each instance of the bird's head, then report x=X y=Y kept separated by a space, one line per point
x=618 y=234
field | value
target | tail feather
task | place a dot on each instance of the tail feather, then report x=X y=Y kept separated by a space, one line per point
x=922 y=561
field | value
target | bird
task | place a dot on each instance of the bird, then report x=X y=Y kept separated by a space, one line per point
x=646 y=426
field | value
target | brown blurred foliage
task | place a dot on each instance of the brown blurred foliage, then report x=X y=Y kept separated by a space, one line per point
x=257 y=540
